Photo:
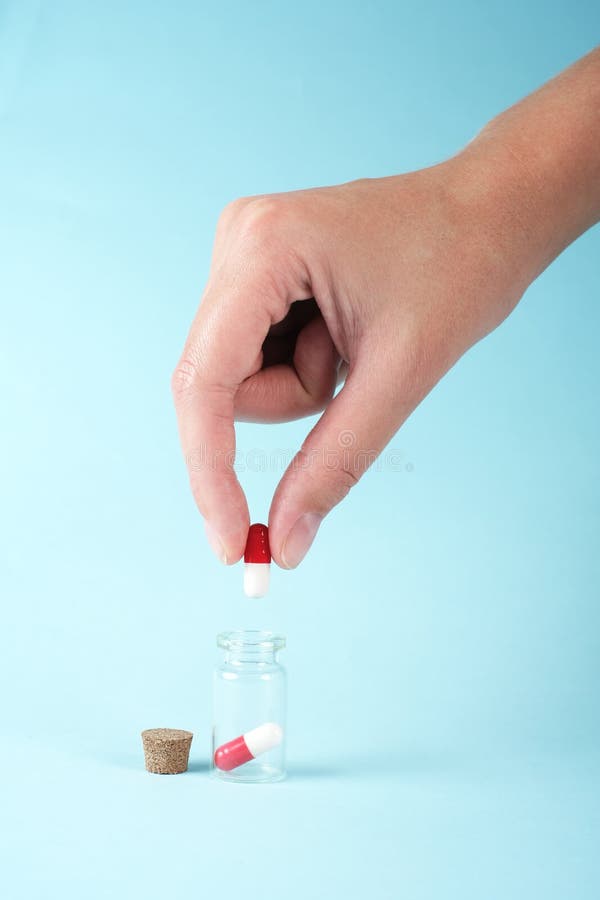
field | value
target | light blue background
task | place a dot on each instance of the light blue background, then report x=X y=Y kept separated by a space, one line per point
x=444 y=633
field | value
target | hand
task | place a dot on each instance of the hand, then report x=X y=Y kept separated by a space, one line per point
x=407 y=274
x=389 y=280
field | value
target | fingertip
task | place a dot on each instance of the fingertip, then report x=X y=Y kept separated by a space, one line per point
x=215 y=543
x=295 y=541
x=228 y=548
x=227 y=537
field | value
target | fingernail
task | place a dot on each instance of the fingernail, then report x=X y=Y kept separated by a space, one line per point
x=216 y=544
x=301 y=536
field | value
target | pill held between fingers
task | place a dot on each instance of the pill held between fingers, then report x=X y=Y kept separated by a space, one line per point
x=248 y=746
x=257 y=561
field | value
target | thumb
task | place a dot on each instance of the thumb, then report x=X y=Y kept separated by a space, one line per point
x=346 y=440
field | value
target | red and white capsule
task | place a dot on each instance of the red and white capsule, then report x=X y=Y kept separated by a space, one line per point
x=248 y=746
x=257 y=561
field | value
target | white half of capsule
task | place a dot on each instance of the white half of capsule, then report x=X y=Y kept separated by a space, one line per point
x=256 y=579
x=264 y=738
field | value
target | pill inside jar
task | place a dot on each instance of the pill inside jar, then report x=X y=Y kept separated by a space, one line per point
x=248 y=746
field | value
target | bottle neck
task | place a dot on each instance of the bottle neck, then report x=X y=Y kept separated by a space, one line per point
x=245 y=657
x=250 y=648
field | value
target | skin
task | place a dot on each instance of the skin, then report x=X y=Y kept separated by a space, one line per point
x=382 y=282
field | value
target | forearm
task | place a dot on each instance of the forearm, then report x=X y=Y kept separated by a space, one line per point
x=542 y=160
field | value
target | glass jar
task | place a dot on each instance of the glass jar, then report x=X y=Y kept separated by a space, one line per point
x=249 y=709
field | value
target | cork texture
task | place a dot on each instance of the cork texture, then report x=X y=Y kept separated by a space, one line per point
x=166 y=750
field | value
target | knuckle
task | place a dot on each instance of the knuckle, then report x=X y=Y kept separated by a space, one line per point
x=232 y=210
x=262 y=219
x=184 y=378
x=264 y=209
x=346 y=477
x=332 y=477
x=337 y=487
x=254 y=224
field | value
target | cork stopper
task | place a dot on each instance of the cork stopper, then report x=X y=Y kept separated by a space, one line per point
x=166 y=750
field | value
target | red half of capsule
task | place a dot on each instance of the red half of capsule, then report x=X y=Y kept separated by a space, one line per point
x=233 y=754
x=257 y=546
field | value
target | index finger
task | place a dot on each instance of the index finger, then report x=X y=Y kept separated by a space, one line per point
x=222 y=349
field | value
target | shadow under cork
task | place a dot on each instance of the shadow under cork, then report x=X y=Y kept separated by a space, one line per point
x=199 y=766
x=135 y=762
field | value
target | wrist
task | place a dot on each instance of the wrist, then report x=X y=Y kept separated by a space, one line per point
x=496 y=197
x=539 y=161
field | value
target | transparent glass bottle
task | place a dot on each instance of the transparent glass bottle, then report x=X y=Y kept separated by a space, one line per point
x=250 y=700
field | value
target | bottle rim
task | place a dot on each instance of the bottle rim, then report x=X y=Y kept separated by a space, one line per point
x=251 y=641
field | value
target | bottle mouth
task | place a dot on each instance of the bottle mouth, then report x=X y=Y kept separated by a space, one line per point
x=251 y=641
